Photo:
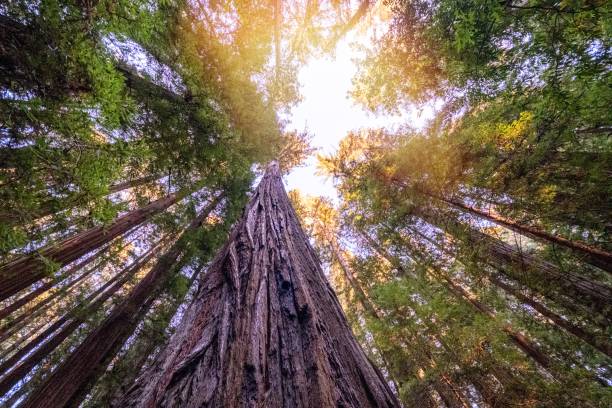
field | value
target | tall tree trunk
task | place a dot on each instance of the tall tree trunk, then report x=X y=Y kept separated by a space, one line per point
x=48 y=285
x=598 y=342
x=24 y=271
x=525 y=344
x=444 y=386
x=52 y=207
x=66 y=325
x=27 y=317
x=522 y=266
x=595 y=256
x=70 y=382
x=265 y=328
x=142 y=350
x=348 y=274
x=483 y=386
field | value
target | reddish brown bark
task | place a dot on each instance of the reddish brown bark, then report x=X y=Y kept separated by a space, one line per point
x=52 y=338
x=265 y=328
x=48 y=285
x=24 y=271
x=595 y=256
x=69 y=383
x=25 y=318
x=522 y=266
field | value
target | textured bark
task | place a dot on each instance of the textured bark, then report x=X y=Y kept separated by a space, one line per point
x=24 y=271
x=64 y=327
x=70 y=382
x=265 y=328
x=26 y=318
x=145 y=347
x=595 y=256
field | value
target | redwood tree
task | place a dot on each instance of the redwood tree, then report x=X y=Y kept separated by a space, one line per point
x=265 y=328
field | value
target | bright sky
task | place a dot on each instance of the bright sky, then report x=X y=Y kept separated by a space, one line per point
x=329 y=114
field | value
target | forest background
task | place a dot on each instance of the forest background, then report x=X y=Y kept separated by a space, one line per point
x=471 y=253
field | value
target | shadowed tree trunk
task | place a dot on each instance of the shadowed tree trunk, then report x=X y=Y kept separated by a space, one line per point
x=597 y=341
x=24 y=271
x=595 y=256
x=52 y=206
x=65 y=326
x=450 y=393
x=265 y=328
x=524 y=343
x=70 y=382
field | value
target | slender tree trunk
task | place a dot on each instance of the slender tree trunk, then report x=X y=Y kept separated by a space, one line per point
x=523 y=266
x=344 y=29
x=348 y=274
x=48 y=285
x=70 y=382
x=115 y=188
x=26 y=318
x=146 y=348
x=446 y=388
x=278 y=21
x=66 y=325
x=24 y=271
x=265 y=328
x=598 y=342
x=51 y=207
x=554 y=296
x=595 y=256
x=526 y=345
x=482 y=384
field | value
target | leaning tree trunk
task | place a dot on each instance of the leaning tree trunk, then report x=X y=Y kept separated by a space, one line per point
x=50 y=207
x=28 y=269
x=24 y=300
x=67 y=385
x=66 y=325
x=451 y=395
x=265 y=328
x=523 y=342
x=595 y=256
x=597 y=341
x=524 y=266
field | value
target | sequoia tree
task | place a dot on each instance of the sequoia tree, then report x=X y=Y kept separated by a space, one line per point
x=265 y=328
